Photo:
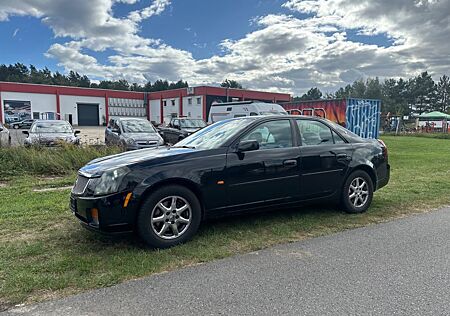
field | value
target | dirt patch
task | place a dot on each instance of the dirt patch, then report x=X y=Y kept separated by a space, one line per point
x=67 y=187
x=3 y=184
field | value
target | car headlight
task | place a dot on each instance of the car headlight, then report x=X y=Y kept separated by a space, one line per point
x=110 y=181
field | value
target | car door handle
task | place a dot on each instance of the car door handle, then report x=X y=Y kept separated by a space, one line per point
x=290 y=162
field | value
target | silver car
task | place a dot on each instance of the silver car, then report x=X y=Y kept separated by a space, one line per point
x=132 y=133
x=5 y=137
x=51 y=133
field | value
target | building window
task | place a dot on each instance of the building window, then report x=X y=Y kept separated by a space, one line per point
x=164 y=102
x=189 y=101
x=173 y=102
x=199 y=100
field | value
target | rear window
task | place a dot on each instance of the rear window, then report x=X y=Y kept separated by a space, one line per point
x=349 y=135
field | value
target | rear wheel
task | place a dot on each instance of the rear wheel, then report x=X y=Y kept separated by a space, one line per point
x=357 y=192
x=170 y=216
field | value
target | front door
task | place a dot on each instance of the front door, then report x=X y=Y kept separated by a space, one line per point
x=325 y=157
x=269 y=174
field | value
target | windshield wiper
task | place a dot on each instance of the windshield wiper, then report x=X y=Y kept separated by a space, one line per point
x=183 y=146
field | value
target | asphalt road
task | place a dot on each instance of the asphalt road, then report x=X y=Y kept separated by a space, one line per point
x=396 y=268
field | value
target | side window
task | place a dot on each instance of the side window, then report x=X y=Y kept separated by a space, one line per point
x=253 y=114
x=337 y=139
x=273 y=134
x=314 y=133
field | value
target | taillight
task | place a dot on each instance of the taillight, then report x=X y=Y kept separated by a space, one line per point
x=384 y=148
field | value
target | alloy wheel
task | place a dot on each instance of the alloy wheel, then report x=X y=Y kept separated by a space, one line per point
x=358 y=192
x=171 y=217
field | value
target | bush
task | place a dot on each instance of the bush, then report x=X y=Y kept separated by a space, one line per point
x=49 y=161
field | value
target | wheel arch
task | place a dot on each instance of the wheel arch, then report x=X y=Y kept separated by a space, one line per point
x=192 y=186
x=369 y=170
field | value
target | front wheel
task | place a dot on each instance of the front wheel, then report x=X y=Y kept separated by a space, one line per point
x=357 y=192
x=170 y=216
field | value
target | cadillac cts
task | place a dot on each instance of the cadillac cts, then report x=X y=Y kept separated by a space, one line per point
x=231 y=166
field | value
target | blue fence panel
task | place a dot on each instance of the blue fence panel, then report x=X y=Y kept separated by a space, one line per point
x=363 y=117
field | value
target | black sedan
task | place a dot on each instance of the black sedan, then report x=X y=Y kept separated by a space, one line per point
x=231 y=166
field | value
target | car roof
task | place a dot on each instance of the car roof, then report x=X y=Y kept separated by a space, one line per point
x=130 y=119
x=50 y=121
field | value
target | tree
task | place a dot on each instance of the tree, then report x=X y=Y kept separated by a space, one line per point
x=312 y=94
x=231 y=84
x=443 y=93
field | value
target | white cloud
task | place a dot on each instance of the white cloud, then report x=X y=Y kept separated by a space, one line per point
x=284 y=53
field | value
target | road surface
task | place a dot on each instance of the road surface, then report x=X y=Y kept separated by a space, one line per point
x=396 y=268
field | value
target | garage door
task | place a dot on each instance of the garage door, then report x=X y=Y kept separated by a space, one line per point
x=88 y=114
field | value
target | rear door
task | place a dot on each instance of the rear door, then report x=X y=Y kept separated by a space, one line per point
x=268 y=175
x=325 y=157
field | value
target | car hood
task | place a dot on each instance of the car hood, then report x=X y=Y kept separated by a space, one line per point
x=97 y=166
x=142 y=136
x=51 y=136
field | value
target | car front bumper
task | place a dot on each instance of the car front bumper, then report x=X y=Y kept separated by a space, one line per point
x=113 y=214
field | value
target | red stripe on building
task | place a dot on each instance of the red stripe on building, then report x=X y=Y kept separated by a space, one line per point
x=180 y=103
x=161 y=109
x=106 y=107
x=58 y=106
x=204 y=108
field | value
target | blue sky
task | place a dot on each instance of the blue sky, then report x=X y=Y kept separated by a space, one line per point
x=283 y=45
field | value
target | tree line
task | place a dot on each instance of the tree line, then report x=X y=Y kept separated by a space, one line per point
x=21 y=73
x=398 y=96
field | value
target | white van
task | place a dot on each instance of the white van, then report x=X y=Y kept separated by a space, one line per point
x=226 y=110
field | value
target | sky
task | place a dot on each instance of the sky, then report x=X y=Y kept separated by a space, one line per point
x=274 y=45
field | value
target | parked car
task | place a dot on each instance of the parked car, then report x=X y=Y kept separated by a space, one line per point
x=228 y=167
x=223 y=111
x=22 y=124
x=132 y=133
x=5 y=137
x=51 y=133
x=179 y=128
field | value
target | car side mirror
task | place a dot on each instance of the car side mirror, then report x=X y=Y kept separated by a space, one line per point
x=26 y=133
x=116 y=131
x=76 y=132
x=248 y=145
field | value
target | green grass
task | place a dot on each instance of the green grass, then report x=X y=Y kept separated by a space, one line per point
x=44 y=253
x=54 y=161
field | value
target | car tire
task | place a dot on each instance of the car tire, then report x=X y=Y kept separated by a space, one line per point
x=158 y=221
x=357 y=192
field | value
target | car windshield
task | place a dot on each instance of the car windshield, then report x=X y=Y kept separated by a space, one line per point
x=137 y=126
x=192 y=123
x=52 y=127
x=215 y=135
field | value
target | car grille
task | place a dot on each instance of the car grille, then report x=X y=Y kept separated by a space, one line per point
x=80 y=185
x=147 y=143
